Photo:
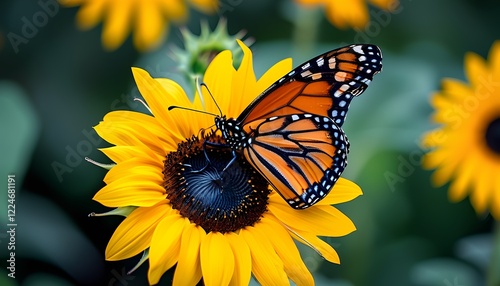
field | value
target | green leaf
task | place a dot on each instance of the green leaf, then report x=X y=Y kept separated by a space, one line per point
x=476 y=249
x=446 y=272
x=19 y=129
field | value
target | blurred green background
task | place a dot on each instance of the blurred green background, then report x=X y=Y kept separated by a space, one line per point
x=60 y=83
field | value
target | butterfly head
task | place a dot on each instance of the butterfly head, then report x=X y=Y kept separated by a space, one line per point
x=231 y=131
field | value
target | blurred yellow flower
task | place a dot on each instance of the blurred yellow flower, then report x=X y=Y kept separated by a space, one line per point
x=466 y=148
x=148 y=19
x=351 y=13
x=180 y=214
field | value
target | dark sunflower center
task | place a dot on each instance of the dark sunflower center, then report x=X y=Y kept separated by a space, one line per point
x=493 y=135
x=216 y=199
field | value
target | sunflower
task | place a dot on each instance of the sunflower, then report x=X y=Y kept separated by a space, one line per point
x=466 y=148
x=176 y=212
x=148 y=18
x=353 y=13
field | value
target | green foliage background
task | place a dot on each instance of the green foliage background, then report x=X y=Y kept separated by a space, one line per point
x=60 y=83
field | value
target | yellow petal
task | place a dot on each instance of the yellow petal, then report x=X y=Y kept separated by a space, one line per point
x=249 y=94
x=287 y=251
x=273 y=74
x=188 y=269
x=206 y=6
x=439 y=100
x=343 y=191
x=267 y=266
x=142 y=121
x=116 y=26
x=165 y=245
x=494 y=60
x=433 y=138
x=311 y=2
x=347 y=13
x=389 y=5
x=138 y=168
x=321 y=247
x=242 y=259
x=217 y=259
x=195 y=121
x=219 y=80
x=244 y=83
x=131 y=134
x=159 y=95
x=122 y=153
x=448 y=166
x=130 y=192
x=134 y=234
x=321 y=220
x=462 y=182
x=445 y=107
x=432 y=160
x=480 y=197
x=150 y=26
x=173 y=9
x=456 y=90
x=90 y=14
x=475 y=68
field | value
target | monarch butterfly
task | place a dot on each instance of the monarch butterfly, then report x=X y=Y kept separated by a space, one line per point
x=292 y=133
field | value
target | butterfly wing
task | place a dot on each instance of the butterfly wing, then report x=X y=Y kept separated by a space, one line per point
x=297 y=142
x=323 y=86
x=300 y=155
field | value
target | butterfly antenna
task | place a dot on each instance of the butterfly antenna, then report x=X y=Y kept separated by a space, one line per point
x=213 y=98
x=171 y=107
x=202 y=101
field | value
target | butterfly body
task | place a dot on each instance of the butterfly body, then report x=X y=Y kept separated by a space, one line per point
x=231 y=130
x=292 y=132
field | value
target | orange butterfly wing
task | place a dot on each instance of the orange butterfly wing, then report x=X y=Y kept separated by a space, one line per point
x=292 y=132
x=322 y=86
x=301 y=156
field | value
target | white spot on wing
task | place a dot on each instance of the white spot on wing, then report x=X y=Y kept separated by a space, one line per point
x=332 y=63
x=358 y=50
x=320 y=61
x=306 y=73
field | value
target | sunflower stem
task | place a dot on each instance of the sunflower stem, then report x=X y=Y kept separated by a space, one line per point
x=494 y=268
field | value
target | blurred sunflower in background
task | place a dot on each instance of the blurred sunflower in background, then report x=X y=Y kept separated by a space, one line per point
x=466 y=147
x=176 y=212
x=352 y=13
x=147 y=19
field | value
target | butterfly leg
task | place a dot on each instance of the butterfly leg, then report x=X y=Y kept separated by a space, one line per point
x=206 y=157
x=233 y=152
x=230 y=162
x=207 y=161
